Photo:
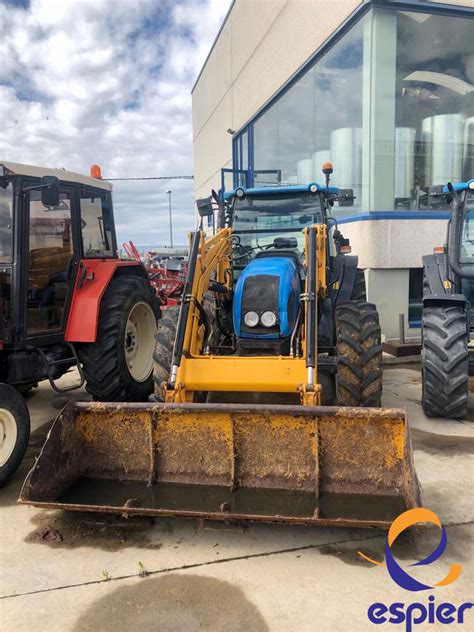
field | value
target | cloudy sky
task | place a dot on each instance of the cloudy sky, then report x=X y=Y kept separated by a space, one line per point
x=108 y=82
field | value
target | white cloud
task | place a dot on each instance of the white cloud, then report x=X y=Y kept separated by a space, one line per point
x=108 y=82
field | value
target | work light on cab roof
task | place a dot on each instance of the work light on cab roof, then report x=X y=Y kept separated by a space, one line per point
x=96 y=172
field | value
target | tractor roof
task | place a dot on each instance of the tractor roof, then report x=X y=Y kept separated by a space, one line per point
x=461 y=186
x=282 y=190
x=15 y=168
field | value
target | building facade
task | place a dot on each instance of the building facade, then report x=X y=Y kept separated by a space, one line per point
x=382 y=89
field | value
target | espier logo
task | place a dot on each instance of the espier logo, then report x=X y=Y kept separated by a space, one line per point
x=416 y=613
x=401 y=577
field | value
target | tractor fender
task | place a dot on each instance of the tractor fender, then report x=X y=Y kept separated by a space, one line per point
x=447 y=300
x=92 y=279
x=350 y=263
x=452 y=300
x=435 y=272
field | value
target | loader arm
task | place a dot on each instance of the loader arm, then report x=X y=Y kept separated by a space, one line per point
x=196 y=371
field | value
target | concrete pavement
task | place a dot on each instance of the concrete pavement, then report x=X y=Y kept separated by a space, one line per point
x=72 y=572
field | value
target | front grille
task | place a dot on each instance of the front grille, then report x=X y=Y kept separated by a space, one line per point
x=260 y=294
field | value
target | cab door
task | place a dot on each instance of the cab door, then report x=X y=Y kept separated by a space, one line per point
x=51 y=258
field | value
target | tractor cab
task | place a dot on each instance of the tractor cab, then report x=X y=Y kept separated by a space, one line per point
x=272 y=219
x=455 y=261
x=42 y=244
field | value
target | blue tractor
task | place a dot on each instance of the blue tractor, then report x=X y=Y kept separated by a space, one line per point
x=448 y=303
x=265 y=312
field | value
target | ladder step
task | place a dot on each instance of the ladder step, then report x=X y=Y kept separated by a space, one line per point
x=49 y=364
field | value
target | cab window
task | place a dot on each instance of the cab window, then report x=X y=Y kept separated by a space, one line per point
x=96 y=222
x=50 y=250
x=467 y=238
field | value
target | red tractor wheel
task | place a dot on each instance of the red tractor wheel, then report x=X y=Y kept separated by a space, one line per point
x=118 y=367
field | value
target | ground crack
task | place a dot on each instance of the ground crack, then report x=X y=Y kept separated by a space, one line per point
x=225 y=560
x=185 y=567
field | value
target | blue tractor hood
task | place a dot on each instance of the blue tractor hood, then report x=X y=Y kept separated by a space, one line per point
x=269 y=283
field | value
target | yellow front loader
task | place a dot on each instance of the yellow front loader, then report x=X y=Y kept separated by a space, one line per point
x=273 y=327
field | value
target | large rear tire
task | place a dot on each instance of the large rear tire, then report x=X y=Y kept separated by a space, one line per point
x=14 y=431
x=163 y=353
x=118 y=367
x=359 y=355
x=445 y=361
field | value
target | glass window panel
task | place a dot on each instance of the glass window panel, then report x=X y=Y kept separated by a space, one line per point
x=96 y=236
x=245 y=150
x=6 y=222
x=259 y=220
x=318 y=119
x=338 y=112
x=265 y=139
x=434 y=114
x=233 y=178
x=467 y=239
x=391 y=105
x=50 y=252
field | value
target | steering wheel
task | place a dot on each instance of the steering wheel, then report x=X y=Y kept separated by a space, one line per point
x=242 y=254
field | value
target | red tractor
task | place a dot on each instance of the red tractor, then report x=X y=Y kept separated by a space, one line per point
x=66 y=299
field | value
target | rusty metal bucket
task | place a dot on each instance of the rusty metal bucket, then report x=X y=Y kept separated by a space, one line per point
x=292 y=464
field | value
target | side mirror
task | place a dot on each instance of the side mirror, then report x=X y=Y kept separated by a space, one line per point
x=50 y=191
x=204 y=207
x=346 y=197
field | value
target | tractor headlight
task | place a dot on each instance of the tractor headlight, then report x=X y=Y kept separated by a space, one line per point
x=268 y=319
x=471 y=185
x=313 y=188
x=251 y=319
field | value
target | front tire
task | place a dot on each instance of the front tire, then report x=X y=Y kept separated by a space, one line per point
x=445 y=361
x=118 y=367
x=359 y=355
x=14 y=431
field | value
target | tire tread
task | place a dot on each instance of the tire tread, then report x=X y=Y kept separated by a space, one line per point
x=445 y=361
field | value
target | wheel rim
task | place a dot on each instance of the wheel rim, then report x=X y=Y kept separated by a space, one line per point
x=139 y=341
x=8 y=435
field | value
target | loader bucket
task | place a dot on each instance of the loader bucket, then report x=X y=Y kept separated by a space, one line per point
x=291 y=464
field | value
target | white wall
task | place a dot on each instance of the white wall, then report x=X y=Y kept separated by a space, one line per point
x=397 y=243
x=387 y=249
x=388 y=289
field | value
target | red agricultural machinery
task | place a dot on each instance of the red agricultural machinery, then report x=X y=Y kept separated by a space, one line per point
x=167 y=276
